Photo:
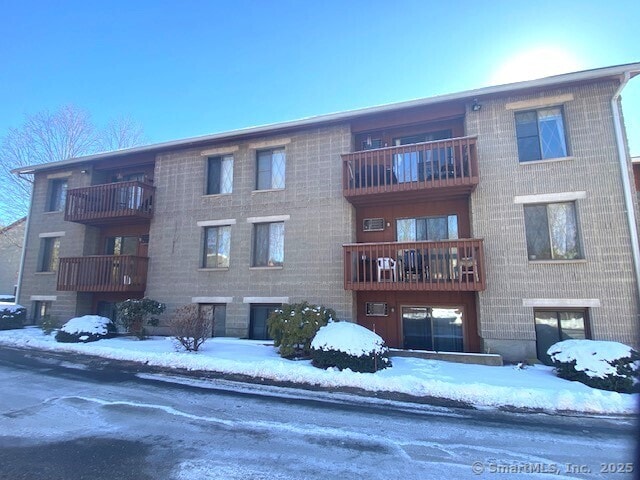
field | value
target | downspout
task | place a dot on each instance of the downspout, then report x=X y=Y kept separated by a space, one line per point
x=626 y=181
x=24 y=247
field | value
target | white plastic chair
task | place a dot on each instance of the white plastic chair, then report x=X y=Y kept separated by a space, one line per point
x=386 y=264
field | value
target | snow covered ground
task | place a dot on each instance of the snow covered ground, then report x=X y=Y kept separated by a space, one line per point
x=534 y=387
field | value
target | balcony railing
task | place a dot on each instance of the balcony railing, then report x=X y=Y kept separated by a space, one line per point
x=448 y=265
x=103 y=273
x=420 y=166
x=110 y=202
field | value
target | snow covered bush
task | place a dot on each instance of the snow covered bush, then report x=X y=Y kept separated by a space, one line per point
x=293 y=327
x=133 y=313
x=598 y=364
x=348 y=345
x=11 y=316
x=190 y=328
x=88 y=328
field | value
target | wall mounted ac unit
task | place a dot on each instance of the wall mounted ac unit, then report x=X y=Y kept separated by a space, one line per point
x=373 y=224
x=377 y=309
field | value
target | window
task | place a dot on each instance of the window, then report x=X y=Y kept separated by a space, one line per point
x=220 y=175
x=41 y=309
x=217 y=314
x=427 y=228
x=121 y=246
x=541 y=134
x=433 y=328
x=270 y=171
x=258 y=320
x=555 y=326
x=268 y=245
x=50 y=254
x=108 y=310
x=217 y=244
x=57 y=195
x=423 y=164
x=552 y=231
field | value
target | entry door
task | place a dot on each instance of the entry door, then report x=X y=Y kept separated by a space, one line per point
x=432 y=328
x=416 y=328
x=108 y=309
x=216 y=314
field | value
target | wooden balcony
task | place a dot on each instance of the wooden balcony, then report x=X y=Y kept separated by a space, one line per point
x=122 y=202
x=103 y=273
x=442 y=167
x=449 y=265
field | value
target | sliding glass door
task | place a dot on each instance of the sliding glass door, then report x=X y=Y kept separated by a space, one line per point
x=432 y=328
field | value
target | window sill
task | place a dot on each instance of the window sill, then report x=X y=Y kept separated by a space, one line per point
x=49 y=212
x=555 y=262
x=216 y=195
x=215 y=269
x=267 y=190
x=548 y=160
x=45 y=273
x=266 y=268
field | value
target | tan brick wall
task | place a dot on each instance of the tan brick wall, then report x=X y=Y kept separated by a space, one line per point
x=10 y=251
x=71 y=244
x=321 y=220
x=607 y=273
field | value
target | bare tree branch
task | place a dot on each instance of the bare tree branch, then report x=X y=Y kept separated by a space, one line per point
x=123 y=132
x=46 y=136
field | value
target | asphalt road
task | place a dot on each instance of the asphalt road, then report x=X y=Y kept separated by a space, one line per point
x=63 y=417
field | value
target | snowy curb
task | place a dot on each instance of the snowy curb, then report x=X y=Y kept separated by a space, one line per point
x=532 y=389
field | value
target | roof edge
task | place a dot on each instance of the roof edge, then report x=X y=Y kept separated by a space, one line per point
x=585 y=75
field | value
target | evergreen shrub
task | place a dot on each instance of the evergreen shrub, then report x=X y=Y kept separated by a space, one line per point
x=599 y=364
x=293 y=326
x=12 y=316
x=345 y=345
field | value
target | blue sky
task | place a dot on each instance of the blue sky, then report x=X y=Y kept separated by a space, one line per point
x=195 y=67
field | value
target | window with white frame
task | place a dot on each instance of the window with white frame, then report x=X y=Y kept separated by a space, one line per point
x=217 y=245
x=541 y=134
x=554 y=326
x=552 y=231
x=57 y=195
x=219 y=175
x=427 y=228
x=268 y=244
x=49 y=254
x=270 y=172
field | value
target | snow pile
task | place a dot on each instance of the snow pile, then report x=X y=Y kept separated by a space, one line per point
x=536 y=387
x=349 y=338
x=89 y=324
x=594 y=358
x=12 y=315
x=10 y=307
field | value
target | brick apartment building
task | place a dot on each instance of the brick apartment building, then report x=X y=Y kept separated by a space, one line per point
x=496 y=220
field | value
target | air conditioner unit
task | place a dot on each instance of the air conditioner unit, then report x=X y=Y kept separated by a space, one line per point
x=373 y=224
x=377 y=309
